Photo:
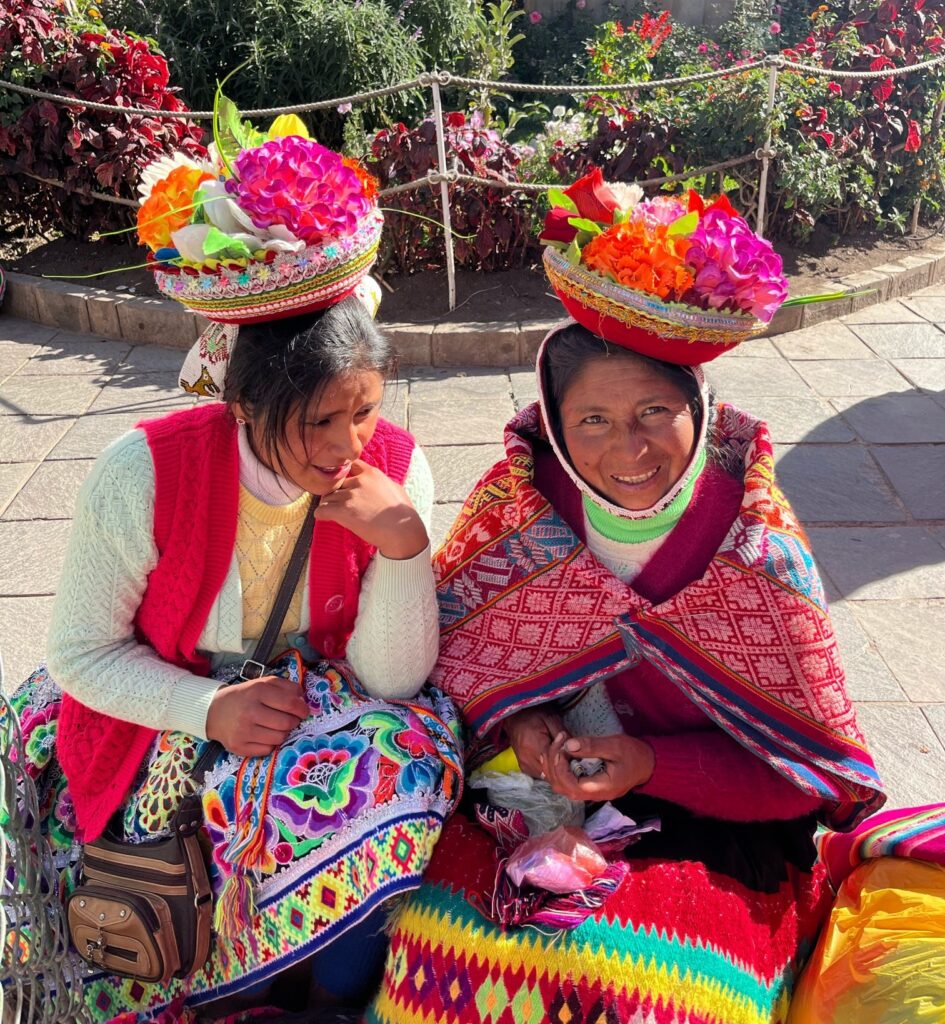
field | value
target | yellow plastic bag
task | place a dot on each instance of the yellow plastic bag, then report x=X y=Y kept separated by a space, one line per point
x=881 y=956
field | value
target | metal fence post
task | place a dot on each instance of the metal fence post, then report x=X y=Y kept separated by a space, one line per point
x=766 y=153
x=444 y=188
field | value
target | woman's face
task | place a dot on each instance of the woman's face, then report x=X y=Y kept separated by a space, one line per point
x=628 y=430
x=323 y=439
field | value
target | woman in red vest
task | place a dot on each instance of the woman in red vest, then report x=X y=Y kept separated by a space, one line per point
x=336 y=772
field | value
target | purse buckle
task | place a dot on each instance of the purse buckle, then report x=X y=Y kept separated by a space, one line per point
x=251 y=670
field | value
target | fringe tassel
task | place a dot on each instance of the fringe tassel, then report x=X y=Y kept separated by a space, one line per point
x=236 y=907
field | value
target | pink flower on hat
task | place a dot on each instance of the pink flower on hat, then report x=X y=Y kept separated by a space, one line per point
x=301 y=185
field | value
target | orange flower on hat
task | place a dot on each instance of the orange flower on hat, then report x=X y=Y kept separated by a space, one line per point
x=170 y=206
x=643 y=257
x=368 y=181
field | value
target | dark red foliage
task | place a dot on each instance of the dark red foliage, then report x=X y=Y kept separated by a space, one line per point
x=499 y=220
x=89 y=151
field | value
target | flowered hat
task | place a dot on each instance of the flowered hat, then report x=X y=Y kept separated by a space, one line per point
x=677 y=278
x=268 y=225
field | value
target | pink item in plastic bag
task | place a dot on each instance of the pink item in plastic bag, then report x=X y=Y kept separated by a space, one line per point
x=562 y=860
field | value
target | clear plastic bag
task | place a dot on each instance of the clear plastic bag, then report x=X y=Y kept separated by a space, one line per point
x=562 y=861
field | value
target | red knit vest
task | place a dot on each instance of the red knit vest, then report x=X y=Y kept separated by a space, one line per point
x=196 y=505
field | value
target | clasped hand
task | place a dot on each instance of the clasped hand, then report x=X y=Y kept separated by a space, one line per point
x=545 y=750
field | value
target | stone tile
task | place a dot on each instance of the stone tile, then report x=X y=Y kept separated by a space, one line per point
x=30 y=439
x=831 y=340
x=785 y=320
x=103 y=313
x=936 y=290
x=868 y=676
x=444 y=515
x=476 y=344
x=31 y=557
x=146 y=320
x=453 y=409
x=928 y=374
x=144 y=394
x=841 y=378
x=739 y=379
x=92 y=434
x=20 y=299
x=51 y=492
x=457 y=467
x=61 y=304
x=394 y=406
x=412 y=342
x=917 y=472
x=524 y=387
x=69 y=353
x=935 y=714
x=38 y=396
x=24 y=332
x=804 y=418
x=754 y=348
x=907 y=418
x=907 y=752
x=13 y=357
x=12 y=477
x=532 y=334
x=24 y=623
x=153 y=359
x=881 y=563
x=830 y=483
x=903 y=341
x=928 y=307
x=893 y=312
x=908 y=635
x=819 y=312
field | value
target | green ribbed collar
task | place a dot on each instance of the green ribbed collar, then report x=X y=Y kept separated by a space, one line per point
x=637 y=531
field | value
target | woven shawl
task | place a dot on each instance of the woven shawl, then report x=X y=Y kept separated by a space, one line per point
x=527 y=615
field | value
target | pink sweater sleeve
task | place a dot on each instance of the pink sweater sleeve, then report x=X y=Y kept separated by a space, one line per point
x=710 y=774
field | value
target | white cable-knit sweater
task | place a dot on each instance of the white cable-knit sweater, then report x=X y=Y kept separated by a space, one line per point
x=92 y=650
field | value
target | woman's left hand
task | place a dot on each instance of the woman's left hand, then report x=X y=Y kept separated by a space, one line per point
x=372 y=506
x=627 y=763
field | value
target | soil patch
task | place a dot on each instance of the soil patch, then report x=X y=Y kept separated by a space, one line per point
x=521 y=294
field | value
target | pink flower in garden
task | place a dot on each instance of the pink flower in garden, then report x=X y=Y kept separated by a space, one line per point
x=535 y=17
x=702 y=48
x=774 y=28
x=302 y=185
x=581 y=4
x=734 y=268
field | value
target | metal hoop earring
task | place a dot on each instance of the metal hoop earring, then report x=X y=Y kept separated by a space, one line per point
x=240 y=421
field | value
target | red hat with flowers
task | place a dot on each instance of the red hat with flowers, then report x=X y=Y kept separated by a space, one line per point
x=678 y=278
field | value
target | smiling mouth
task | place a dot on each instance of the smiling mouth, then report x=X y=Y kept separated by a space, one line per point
x=334 y=470
x=635 y=481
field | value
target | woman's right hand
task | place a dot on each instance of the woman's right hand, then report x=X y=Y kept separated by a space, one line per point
x=531 y=734
x=252 y=718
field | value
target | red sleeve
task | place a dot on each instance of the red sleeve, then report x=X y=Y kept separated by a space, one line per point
x=712 y=775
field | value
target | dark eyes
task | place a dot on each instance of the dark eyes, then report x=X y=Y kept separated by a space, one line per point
x=361 y=415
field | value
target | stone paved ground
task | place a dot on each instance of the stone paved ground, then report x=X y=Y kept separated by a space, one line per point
x=856 y=407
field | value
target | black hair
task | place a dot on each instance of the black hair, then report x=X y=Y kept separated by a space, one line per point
x=283 y=366
x=570 y=350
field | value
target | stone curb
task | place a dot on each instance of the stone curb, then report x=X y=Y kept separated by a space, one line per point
x=140 y=319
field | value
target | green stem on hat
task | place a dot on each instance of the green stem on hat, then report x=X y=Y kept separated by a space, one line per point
x=103 y=273
x=195 y=204
x=805 y=300
x=429 y=220
x=218 y=95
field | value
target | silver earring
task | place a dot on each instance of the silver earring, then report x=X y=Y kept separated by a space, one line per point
x=240 y=421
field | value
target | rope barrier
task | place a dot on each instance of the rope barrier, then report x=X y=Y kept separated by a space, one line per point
x=816 y=69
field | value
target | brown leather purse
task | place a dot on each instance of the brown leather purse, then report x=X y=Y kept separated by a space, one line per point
x=144 y=910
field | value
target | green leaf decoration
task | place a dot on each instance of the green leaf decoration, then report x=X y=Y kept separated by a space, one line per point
x=622 y=216
x=557 y=198
x=573 y=254
x=685 y=225
x=219 y=246
x=233 y=134
x=583 y=224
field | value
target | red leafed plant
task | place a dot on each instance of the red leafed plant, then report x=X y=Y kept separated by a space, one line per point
x=47 y=46
x=499 y=221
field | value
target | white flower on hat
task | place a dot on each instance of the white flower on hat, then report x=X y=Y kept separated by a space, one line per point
x=159 y=169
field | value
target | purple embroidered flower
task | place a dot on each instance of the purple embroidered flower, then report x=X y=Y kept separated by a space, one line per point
x=734 y=269
x=301 y=185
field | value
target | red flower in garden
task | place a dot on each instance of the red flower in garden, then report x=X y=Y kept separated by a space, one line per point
x=913 y=138
x=834 y=87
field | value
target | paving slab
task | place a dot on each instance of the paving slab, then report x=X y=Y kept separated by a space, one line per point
x=927 y=307
x=907 y=752
x=836 y=484
x=24 y=623
x=459 y=410
x=881 y=562
x=456 y=468
x=153 y=359
x=145 y=394
x=394 y=405
x=903 y=341
x=928 y=374
x=845 y=378
x=24 y=332
x=802 y=418
x=68 y=353
x=32 y=557
x=12 y=477
x=13 y=356
x=869 y=677
x=917 y=472
x=754 y=348
x=935 y=714
x=905 y=418
x=29 y=439
x=39 y=396
x=91 y=435
x=892 y=312
x=830 y=340
x=741 y=379
x=524 y=387
x=908 y=635
x=51 y=491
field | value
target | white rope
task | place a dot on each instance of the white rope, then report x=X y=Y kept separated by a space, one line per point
x=816 y=69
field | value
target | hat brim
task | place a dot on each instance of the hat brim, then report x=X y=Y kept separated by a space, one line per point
x=642 y=323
